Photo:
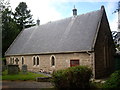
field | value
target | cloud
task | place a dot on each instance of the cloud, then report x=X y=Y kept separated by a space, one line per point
x=111 y=7
x=46 y=10
x=114 y=23
x=40 y=9
x=112 y=17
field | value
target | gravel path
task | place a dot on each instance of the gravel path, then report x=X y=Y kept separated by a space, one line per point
x=6 y=85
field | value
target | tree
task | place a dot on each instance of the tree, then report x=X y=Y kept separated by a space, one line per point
x=22 y=16
x=117 y=36
x=9 y=28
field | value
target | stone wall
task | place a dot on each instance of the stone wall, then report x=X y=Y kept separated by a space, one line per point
x=104 y=50
x=62 y=61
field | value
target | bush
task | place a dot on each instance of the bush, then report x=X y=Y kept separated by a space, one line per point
x=113 y=81
x=59 y=79
x=73 y=77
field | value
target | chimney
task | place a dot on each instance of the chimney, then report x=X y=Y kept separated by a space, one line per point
x=74 y=11
x=38 y=22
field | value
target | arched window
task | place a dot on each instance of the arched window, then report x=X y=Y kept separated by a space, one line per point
x=22 y=60
x=33 y=60
x=53 y=61
x=37 y=60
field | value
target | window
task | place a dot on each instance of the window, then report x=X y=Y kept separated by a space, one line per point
x=11 y=60
x=53 y=61
x=22 y=60
x=37 y=60
x=74 y=63
x=33 y=60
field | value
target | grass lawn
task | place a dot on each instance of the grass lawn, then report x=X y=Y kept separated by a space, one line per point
x=20 y=76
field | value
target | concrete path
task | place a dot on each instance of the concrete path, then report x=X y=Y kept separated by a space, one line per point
x=6 y=85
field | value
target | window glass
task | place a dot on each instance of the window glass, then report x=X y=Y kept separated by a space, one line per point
x=53 y=61
x=33 y=60
x=37 y=60
x=22 y=60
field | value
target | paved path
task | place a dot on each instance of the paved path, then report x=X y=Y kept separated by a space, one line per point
x=25 y=84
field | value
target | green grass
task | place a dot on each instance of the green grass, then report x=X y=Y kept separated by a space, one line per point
x=20 y=76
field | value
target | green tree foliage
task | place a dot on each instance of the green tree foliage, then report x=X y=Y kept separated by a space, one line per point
x=13 y=23
x=22 y=16
x=9 y=29
x=113 y=81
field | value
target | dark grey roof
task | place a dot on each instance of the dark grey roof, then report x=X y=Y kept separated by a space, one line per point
x=73 y=34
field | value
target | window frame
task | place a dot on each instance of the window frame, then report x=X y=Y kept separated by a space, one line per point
x=52 y=62
x=74 y=62
x=37 y=60
x=34 y=61
x=23 y=60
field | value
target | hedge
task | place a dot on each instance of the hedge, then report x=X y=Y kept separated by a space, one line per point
x=73 y=77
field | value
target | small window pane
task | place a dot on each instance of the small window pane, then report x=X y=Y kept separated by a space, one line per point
x=37 y=60
x=52 y=61
x=33 y=60
x=74 y=63
x=22 y=60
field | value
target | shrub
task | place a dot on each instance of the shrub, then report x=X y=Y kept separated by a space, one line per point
x=73 y=77
x=59 y=79
x=113 y=81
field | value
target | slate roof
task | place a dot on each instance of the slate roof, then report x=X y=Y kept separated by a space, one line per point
x=73 y=34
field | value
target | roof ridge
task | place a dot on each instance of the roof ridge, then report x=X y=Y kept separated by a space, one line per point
x=68 y=17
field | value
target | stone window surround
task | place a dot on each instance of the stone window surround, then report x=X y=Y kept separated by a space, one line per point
x=35 y=62
x=38 y=60
x=23 y=60
x=51 y=61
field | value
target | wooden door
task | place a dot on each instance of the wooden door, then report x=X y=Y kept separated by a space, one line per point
x=74 y=63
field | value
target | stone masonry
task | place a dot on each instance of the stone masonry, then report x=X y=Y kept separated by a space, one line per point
x=62 y=61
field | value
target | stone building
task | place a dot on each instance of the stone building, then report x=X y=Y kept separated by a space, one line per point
x=78 y=40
